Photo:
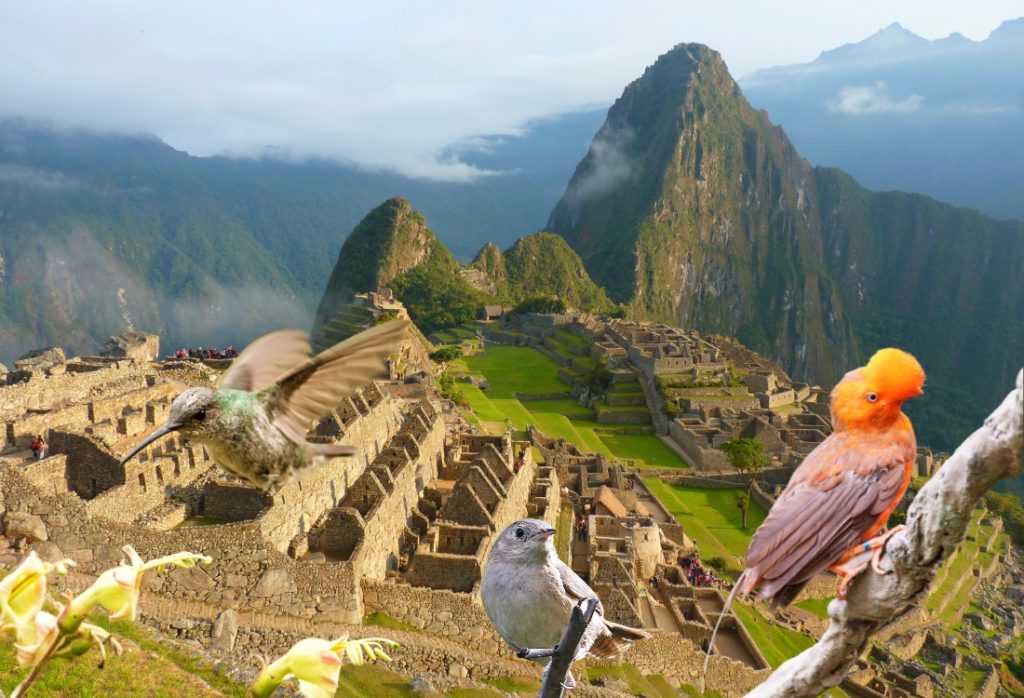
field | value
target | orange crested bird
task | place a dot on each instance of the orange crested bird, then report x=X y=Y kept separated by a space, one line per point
x=842 y=494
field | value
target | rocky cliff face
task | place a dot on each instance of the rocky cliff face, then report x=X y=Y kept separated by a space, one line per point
x=693 y=208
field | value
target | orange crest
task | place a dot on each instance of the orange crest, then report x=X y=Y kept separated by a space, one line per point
x=895 y=373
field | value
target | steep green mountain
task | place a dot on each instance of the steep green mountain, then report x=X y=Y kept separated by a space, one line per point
x=99 y=231
x=694 y=209
x=392 y=247
x=541 y=263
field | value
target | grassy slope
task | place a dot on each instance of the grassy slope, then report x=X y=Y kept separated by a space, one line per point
x=710 y=518
x=510 y=370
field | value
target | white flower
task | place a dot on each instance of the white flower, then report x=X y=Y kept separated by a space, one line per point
x=23 y=591
x=317 y=664
x=117 y=589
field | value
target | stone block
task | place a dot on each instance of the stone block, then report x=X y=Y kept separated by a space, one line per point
x=39 y=359
x=19 y=524
x=274 y=583
x=225 y=631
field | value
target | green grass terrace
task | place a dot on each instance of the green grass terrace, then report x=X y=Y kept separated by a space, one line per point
x=512 y=372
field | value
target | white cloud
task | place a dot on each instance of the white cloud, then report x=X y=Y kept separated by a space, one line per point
x=610 y=164
x=859 y=100
x=390 y=83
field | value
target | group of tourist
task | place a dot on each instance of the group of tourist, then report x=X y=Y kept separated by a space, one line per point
x=696 y=573
x=206 y=353
x=38 y=447
x=581 y=528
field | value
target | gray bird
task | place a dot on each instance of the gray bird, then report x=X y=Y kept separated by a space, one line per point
x=255 y=422
x=529 y=594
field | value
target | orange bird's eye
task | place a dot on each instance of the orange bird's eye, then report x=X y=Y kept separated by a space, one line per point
x=872 y=397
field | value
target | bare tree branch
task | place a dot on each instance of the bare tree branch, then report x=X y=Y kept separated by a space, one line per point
x=936 y=523
x=564 y=652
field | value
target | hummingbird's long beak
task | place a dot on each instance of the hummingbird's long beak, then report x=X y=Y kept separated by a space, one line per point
x=165 y=429
x=546 y=533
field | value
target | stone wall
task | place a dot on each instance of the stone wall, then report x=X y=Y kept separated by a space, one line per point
x=442 y=612
x=300 y=503
x=39 y=391
x=245 y=572
x=48 y=474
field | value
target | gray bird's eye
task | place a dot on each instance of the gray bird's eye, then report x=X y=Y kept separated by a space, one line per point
x=872 y=397
x=200 y=415
x=520 y=533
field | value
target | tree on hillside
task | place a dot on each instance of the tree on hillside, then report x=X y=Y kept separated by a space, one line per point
x=540 y=303
x=747 y=456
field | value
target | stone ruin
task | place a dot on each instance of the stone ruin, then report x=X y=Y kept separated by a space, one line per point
x=629 y=538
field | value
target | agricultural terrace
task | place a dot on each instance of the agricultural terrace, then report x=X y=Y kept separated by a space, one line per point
x=711 y=518
x=515 y=374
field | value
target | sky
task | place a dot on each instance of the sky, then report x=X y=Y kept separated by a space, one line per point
x=390 y=84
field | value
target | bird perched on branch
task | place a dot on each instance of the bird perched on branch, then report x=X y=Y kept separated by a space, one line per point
x=255 y=422
x=529 y=594
x=842 y=494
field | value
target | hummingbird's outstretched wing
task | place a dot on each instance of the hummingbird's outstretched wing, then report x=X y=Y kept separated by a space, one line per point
x=266 y=359
x=310 y=390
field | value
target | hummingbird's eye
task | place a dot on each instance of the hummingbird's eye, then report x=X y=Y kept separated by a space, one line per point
x=200 y=415
x=872 y=397
x=520 y=533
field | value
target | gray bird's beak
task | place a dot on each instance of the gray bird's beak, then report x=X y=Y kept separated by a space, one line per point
x=546 y=533
x=167 y=428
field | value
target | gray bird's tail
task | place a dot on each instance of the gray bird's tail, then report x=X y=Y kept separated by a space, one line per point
x=737 y=587
x=618 y=639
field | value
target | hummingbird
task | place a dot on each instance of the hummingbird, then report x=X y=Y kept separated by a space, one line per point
x=254 y=422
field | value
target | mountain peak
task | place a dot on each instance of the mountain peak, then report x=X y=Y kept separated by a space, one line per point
x=892 y=41
x=390 y=240
x=1012 y=30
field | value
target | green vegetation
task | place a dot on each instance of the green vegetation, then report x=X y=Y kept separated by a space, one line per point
x=671 y=266
x=564 y=531
x=512 y=371
x=446 y=353
x=818 y=607
x=540 y=303
x=147 y=668
x=435 y=294
x=747 y=456
x=373 y=681
x=542 y=265
x=651 y=685
x=710 y=517
x=449 y=389
x=776 y=643
x=383 y=620
x=511 y=685
x=1011 y=509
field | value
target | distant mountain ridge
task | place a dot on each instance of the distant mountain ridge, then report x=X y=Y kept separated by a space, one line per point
x=102 y=232
x=695 y=210
x=897 y=111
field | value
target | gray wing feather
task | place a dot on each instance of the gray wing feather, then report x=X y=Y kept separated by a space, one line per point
x=312 y=389
x=266 y=359
x=575 y=588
